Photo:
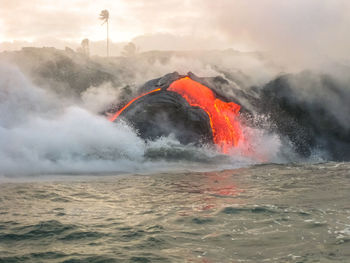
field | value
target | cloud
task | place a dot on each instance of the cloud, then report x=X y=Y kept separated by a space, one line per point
x=167 y=41
x=34 y=19
x=297 y=31
x=291 y=29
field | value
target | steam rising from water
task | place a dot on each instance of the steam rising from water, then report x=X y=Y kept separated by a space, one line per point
x=54 y=126
x=40 y=134
x=43 y=133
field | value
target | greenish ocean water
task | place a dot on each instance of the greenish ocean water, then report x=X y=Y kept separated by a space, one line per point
x=262 y=213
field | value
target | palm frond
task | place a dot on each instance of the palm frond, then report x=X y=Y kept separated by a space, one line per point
x=104 y=15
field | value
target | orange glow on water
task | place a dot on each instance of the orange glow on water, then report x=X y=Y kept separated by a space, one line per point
x=129 y=103
x=222 y=115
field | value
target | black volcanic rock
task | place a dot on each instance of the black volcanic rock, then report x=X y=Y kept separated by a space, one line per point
x=295 y=105
x=161 y=83
x=304 y=107
x=165 y=112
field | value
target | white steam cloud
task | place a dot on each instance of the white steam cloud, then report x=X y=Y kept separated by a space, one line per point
x=41 y=133
x=97 y=98
x=298 y=33
x=38 y=135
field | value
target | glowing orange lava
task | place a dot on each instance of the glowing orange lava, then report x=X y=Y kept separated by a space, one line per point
x=129 y=103
x=222 y=115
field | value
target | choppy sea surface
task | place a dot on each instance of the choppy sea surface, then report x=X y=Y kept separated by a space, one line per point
x=262 y=213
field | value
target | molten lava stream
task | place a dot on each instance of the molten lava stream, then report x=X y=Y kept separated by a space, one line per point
x=129 y=103
x=222 y=115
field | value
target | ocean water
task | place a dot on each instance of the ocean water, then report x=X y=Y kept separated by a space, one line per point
x=261 y=213
x=75 y=187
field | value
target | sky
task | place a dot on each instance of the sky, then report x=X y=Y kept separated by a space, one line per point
x=292 y=28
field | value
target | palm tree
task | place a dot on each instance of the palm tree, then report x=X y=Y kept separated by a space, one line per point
x=129 y=50
x=104 y=16
x=85 y=47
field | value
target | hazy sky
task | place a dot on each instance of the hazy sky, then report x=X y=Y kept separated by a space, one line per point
x=281 y=26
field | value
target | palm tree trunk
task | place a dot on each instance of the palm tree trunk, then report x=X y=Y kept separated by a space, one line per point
x=107 y=38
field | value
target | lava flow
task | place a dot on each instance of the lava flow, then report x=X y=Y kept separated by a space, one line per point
x=115 y=116
x=222 y=115
x=226 y=129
